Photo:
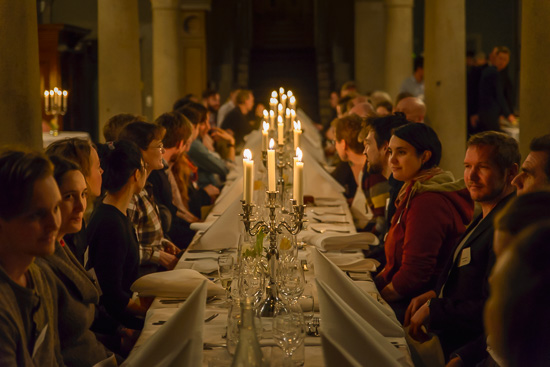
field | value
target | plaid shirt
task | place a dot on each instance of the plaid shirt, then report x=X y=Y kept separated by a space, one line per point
x=144 y=215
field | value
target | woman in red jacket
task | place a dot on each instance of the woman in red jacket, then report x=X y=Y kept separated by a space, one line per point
x=432 y=212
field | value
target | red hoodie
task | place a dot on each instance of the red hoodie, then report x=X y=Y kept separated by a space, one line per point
x=425 y=228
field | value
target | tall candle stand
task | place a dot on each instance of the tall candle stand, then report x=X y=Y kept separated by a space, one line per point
x=272 y=228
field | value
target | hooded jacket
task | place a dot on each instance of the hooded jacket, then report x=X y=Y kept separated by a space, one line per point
x=427 y=223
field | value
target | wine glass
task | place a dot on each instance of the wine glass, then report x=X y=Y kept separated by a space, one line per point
x=251 y=279
x=225 y=271
x=289 y=332
x=290 y=280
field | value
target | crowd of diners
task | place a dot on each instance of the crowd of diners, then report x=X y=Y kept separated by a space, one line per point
x=462 y=260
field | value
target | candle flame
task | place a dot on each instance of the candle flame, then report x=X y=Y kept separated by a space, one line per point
x=281 y=90
x=51 y=92
x=273 y=101
x=292 y=112
x=288 y=112
x=271 y=113
x=292 y=100
x=58 y=92
x=247 y=154
x=266 y=126
x=297 y=125
x=283 y=97
x=266 y=114
x=46 y=93
x=280 y=120
x=274 y=94
x=289 y=94
x=271 y=144
x=280 y=107
x=299 y=154
x=65 y=93
x=55 y=89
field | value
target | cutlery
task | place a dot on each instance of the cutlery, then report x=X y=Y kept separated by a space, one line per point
x=326 y=213
x=200 y=258
x=209 y=346
x=329 y=221
x=171 y=301
x=323 y=230
x=211 y=317
x=304 y=265
x=220 y=251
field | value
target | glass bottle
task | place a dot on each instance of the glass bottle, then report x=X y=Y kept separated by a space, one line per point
x=248 y=352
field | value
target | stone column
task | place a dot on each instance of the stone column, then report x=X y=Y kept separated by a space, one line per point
x=399 y=44
x=20 y=95
x=119 y=65
x=369 y=44
x=193 y=14
x=445 y=78
x=167 y=87
x=534 y=72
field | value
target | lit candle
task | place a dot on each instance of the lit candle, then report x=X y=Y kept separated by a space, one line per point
x=274 y=94
x=280 y=131
x=283 y=100
x=287 y=116
x=46 y=101
x=280 y=110
x=298 y=186
x=281 y=92
x=273 y=103
x=248 y=181
x=55 y=104
x=292 y=101
x=266 y=115
x=289 y=93
x=58 y=98
x=64 y=102
x=271 y=166
x=271 y=120
x=265 y=132
x=297 y=134
x=292 y=115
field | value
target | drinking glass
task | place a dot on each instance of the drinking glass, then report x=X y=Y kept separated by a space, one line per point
x=290 y=280
x=289 y=332
x=225 y=271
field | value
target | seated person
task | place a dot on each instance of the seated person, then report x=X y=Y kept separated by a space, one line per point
x=86 y=156
x=143 y=212
x=238 y=121
x=78 y=294
x=114 y=249
x=433 y=211
x=29 y=221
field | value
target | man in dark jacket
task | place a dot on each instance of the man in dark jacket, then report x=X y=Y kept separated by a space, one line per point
x=454 y=309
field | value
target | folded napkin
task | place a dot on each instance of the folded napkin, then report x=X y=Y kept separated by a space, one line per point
x=330 y=241
x=326 y=210
x=225 y=231
x=179 y=341
x=173 y=283
x=350 y=337
x=380 y=317
x=356 y=265
x=205 y=266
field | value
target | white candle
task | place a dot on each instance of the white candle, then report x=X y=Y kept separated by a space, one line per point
x=287 y=116
x=283 y=100
x=248 y=180
x=271 y=120
x=298 y=186
x=297 y=134
x=58 y=99
x=265 y=132
x=64 y=102
x=292 y=115
x=273 y=103
x=274 y=94
x=281 y=92
x=266 y=115
x=280 y=131
x=280 y=110
x=271 y=173
x=292 y=101
x=289 y=93
x=46 y=101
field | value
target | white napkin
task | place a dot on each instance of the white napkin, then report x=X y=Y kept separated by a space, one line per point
x=205 y=266
x=225 y=231
x=356 y=265
x=339 y=241
x=179 y=341
x=360 y=210
x=381 y=318
x=173 y=283
x=350 y=336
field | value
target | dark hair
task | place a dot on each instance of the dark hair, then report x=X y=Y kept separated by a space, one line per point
x=195 y=112
x=185 y=100
x=61 y=166
x=418 y=63
x=19 y=170
x=74 y=149
x=386 y=104
x=348 y=128
x=521 y=288
x=209 y=93
x=242 y=96
x=505 y=148
x=116 y=123
x=141 y=133
x=401 y=96
x=523 y=211
x=542 y=144
x=346 y=102
x=382 y=127
x=422 y=138
x=120 y=162
x=177 y=126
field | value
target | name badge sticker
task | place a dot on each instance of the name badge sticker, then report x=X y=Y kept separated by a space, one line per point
x=465 y=257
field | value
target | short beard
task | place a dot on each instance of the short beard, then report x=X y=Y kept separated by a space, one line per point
x=374 y=169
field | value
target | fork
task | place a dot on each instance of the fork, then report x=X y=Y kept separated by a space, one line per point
x=220 y=251
x=323 y=230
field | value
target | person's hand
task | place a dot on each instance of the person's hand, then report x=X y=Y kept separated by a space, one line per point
x=188 y=217
x=418 y=324
x=511 y=118
x=208 y=142
x=455 y=362
x=167 y=260
x=474 y=120
x=415 y=304
x=128 y=338
x=220 y=134
x=170 y=248
x=212 y=191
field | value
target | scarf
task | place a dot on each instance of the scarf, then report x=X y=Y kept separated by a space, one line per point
x=408 y=189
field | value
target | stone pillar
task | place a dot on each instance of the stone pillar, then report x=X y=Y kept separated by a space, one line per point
x=167 y=87
x=194 y=78
x=399 y=44
x=19 y=75
x=119 y=66
x=369 y=44
x=534 y=72
x=445 y=78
